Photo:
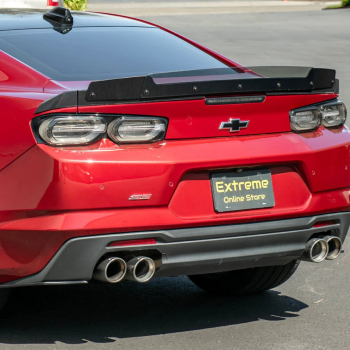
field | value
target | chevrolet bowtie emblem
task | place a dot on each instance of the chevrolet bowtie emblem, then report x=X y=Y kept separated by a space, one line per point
x=235 y=125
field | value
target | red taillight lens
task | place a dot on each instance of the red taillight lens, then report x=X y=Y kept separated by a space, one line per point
x=133 y=242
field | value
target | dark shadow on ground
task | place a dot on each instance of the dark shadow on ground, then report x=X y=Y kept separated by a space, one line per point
x=99 y=313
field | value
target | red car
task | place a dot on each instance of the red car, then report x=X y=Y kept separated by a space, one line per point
x=130 y=152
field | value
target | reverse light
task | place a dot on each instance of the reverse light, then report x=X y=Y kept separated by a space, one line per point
x=305 y=119
x=137 y=129
x=333 y=114
x=72 y=130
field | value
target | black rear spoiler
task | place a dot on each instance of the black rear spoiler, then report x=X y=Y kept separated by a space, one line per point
x=195 y=84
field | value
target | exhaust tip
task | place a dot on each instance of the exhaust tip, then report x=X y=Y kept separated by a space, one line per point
x=334 y=247
x=111 y=270
x=115 y=270
x=141 y=269
x=316 y=250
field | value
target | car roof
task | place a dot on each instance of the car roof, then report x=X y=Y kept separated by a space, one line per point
x=19 y=19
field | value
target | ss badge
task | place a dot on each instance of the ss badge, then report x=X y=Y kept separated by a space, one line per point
x=140 y=197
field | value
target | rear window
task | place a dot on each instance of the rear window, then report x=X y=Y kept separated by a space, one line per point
x=104 y=53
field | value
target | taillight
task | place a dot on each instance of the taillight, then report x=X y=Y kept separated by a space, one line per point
x=305 y=119
x=333 y=114
x=72 y=130
x=137 y=129
x=329 y=114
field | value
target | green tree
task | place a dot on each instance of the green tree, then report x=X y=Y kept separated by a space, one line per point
x=345 y=2
x=78 y=5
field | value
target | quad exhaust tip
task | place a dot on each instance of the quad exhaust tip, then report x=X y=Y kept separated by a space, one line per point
x=319 y=249
x=316 y=250
x=140 y=269
x=334 y=246
x=111 y=270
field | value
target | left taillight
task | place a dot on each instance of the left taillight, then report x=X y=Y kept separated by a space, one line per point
x=137 y=129
x=72 y=130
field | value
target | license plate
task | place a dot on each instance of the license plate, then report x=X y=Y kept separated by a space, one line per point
x=240 y=191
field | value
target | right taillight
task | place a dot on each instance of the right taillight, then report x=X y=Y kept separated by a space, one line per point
x=333 y=114
x=330 y=115
x=305 y=119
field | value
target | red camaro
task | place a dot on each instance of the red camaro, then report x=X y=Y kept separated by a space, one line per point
x=130 y=152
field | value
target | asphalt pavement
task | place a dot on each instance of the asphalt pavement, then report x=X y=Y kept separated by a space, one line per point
x=198 y=7
x=309 y=312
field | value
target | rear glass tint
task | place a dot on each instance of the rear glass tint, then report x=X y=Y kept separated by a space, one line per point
x=104 y=53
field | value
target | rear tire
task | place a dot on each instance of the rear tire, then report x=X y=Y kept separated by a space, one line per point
x=248 y=281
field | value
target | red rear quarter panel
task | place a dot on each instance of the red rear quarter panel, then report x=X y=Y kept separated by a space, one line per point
x=21 y=92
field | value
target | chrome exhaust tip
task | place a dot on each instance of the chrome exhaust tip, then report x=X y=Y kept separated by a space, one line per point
x=334 y=246
x=140 y=269
x=111 y=270
x=316 y=250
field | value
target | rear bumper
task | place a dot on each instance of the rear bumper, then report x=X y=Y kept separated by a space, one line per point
x=193 y=250
x=49 y=196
